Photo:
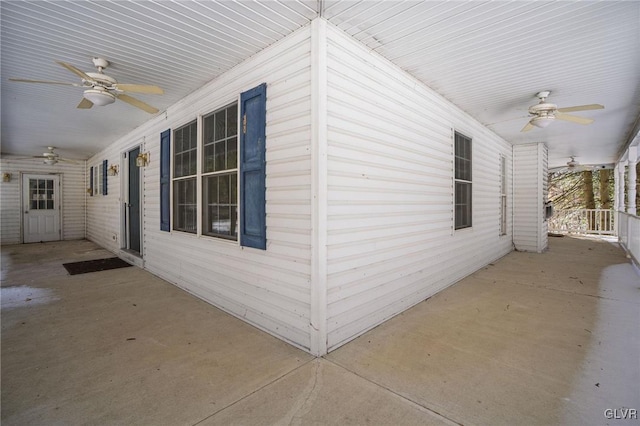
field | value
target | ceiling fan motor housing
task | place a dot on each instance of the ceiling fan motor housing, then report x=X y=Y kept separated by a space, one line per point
x=543 y=109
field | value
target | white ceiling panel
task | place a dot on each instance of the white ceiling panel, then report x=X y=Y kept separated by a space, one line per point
x=179 y=46
x=489 y=58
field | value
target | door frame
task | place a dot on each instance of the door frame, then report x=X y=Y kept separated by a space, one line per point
x=24 y=175
x=124 y=214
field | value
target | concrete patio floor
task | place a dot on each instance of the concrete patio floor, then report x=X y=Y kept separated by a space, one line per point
x=533 y=339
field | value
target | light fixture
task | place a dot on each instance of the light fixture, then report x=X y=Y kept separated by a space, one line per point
x=112 y=170
x=50 y=161
x=99 y=96
x=142 y=159
x=6 y=177
x=542 y=121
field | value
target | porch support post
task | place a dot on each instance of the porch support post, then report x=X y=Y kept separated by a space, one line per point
x=616 y=188
x=621 y=168
x=631 y=179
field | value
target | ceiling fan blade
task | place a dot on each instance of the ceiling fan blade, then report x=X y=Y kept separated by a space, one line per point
x=85 y=104
x=75 y=70
x=574 y=119
x=528 y=127
x=140 y=88
x=22 y=80
x=138 y=103
x=66 y=160
x=581 y=108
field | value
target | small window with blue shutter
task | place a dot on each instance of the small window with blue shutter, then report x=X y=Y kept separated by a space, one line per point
x=231 y=147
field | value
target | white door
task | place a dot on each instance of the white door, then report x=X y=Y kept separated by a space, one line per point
x=41 y=204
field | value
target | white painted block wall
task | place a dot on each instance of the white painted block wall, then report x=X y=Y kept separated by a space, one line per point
x=73 y=197
x=530 y=168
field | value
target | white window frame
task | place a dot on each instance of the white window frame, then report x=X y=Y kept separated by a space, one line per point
x=98 y=176
x=201 y=175
x=466 y=182
x=503 y=195
x=183 y=178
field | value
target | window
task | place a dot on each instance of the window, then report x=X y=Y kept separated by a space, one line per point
x=503 y=195
x=220 y=173
x=462 y=211
x=41 y=193
x=215 y=181
x=98 y=176
x=184 y=178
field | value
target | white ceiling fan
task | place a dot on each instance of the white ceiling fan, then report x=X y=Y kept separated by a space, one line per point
x=100 y=89
x=574 y=166
x=50 y=157
x=545 y=113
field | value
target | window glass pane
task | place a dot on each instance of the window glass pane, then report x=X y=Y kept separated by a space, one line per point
x=462 y=205
x=219 y=160
x=221 y=121
x=232 y=120
x=208 y=123
x=232 y=154
x=208 y=158
x=184 y=206
x=185 y=151
x=220 y=205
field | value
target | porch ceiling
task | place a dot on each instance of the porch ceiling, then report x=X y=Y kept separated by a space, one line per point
x=488 y=58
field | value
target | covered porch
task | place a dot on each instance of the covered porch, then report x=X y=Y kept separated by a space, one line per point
x=549 y=338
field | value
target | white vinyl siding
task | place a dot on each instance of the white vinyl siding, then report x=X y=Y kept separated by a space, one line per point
x=73 y=182
x=362 y=165
x=390 y=192
x=270 y=289
x=530 y=192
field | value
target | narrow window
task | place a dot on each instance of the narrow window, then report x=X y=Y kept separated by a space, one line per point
x=165 y=179
x=220 y=173
x=105 y=168
x=185 y=157
x=503 y=195
x=98 y=174
x=462 y=211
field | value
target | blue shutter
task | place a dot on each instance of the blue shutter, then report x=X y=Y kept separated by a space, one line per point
x=253 y=224
x=165 y=175
x=104 y=177
x=91 y=182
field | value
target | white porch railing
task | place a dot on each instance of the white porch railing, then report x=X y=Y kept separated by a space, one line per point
x=629 y=234
x=583 y=221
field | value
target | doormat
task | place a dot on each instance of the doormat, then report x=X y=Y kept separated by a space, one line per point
x=87 y=266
